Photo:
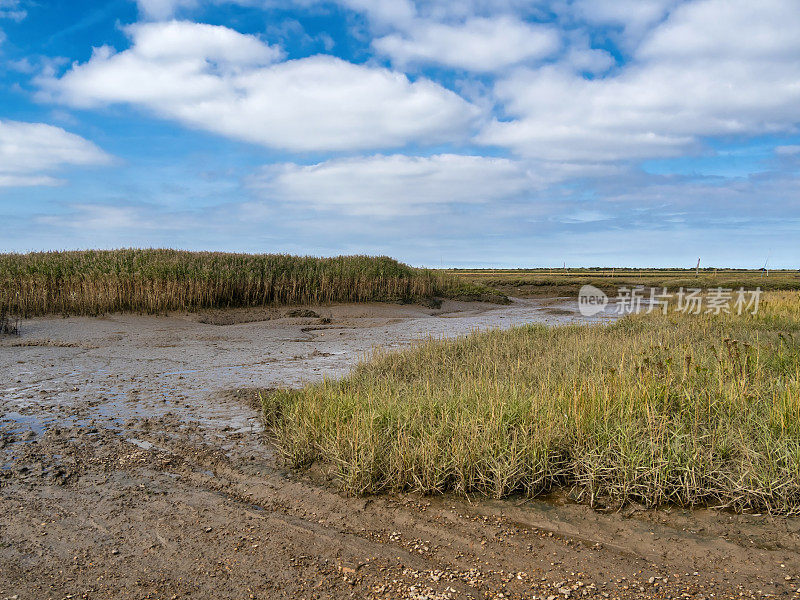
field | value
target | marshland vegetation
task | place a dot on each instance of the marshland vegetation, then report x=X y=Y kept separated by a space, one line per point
x=94 y=282
x=657 y=409
x=567 y=282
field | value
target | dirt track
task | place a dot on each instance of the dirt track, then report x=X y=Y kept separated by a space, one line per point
x=132 y=468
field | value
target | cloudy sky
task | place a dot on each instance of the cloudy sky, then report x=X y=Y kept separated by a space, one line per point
x=441 y=132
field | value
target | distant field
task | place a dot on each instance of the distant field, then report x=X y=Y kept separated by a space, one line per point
x=677 y=409
x=144 y=280
x=561 y=282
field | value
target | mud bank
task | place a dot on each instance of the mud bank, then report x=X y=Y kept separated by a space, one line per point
x=132 y=468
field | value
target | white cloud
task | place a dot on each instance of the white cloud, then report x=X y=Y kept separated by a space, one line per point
x=635 y=14
x=7 y=180
x=394 y=12
x=787 y=150
x=581 y=57
x=727 y=30
x=103 y=217
x=714 y=67
x=163 y=9
x=400 y=13
x=394 y=185
x=11 y=9
x=479 y=44
x=30 y=151
x=474 y=36
x=184 y=40
x=219 y=80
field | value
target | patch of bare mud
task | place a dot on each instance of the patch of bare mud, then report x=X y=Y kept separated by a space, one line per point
x=160 y=512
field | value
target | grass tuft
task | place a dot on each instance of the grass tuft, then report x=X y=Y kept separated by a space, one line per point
x=677 y=409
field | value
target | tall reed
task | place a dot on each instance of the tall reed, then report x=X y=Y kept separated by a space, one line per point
x=145 y=280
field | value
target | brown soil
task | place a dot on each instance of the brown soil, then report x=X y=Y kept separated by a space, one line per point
x=133 y=467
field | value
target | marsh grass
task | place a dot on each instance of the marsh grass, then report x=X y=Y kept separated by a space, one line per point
x=95 y=282
x=557 y=282
x=676 y=409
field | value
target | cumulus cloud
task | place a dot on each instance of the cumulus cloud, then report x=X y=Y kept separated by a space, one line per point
x=29 y=152
x=461 y=35
x=479 y=44
x=670 y=75
x=714 y=67
x=216 y=79
x=394 y=185
x=727 y=30
x=581 y=57
x=634 y=17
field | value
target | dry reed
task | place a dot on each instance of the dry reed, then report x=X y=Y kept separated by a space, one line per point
x=146 y=280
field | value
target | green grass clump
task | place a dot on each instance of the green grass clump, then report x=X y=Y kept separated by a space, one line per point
x=99 y=281
x=689 y=410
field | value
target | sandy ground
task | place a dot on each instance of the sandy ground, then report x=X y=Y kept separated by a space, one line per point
x=132 y=465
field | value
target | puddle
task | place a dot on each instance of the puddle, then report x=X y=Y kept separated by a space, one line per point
x=17 y=423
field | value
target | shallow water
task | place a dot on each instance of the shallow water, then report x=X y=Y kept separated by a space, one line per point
x=109 y=371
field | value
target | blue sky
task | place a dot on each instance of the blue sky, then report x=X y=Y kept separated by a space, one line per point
x=462 y=133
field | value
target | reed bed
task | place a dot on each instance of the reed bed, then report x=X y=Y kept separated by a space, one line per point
x=676 y=409
x=147 y=280
x=558 y=282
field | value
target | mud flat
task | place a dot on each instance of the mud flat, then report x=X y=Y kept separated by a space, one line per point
x=134 y=466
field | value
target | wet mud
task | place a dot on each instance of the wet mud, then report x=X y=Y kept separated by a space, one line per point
x=133 y=464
